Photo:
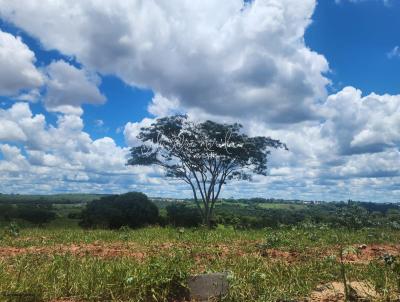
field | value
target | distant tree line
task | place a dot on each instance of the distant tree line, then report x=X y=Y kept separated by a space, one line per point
x=48 y=199
x=136 y=210
x=37 y=214
x=352 y=215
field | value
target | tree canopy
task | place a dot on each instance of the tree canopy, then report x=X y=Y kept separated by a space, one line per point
x=203 y=154
x=132 y=209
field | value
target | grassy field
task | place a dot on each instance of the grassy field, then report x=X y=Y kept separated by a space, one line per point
x=152 y=264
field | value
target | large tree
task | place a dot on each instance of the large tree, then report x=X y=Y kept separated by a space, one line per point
x=205 y=155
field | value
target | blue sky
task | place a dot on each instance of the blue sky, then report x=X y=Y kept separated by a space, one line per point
x=355 y=38
x=78 y=81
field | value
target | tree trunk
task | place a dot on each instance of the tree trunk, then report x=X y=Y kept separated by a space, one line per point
x=207 y=218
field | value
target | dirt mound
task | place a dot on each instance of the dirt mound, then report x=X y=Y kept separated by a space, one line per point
x=366 y=253
x=334 y=292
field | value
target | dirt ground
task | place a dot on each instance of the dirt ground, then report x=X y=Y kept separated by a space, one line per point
x=97 y=250
x=362 y=254
x=334 y=292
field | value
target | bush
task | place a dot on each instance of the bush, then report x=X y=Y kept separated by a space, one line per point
x=36 y=214
x=180 y=215
x=74 y=215
x=131 y=209
x=352 y=216
x=7 y=212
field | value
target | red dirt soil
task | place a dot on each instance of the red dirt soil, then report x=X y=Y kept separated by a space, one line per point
x=367 y=253
x=98 y=250
x=364 y=253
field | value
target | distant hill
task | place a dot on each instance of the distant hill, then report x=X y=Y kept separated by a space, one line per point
x=53 y=199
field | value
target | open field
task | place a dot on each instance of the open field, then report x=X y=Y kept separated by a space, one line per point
x=294 y=260
x=152 y=264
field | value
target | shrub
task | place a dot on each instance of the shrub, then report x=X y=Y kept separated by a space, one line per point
x=7 y=212
x=131 y=209
x=36 y=214
x=352 y=216
x=181 y=215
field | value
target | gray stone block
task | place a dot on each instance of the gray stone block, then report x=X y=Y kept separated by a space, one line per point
x=206 y=287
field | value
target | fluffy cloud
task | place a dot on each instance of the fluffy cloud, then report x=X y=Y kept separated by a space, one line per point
x=226 y=61
x=131 y=130
x=17 y=71
x=362 y=124
x=358 y=138
x=13 y=161
x=10 y=131
x=161 y=106
x=69 y=87
x=354 y=152
x=376 y=165
x=225 y=58
x=62 y=156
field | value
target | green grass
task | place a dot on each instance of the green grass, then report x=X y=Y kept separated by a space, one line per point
x=47 y=277
x=162 y=274
x=164 y=277
x=284 y=238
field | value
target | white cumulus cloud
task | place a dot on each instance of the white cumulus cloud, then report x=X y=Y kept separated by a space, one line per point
x=69 y=87
x=62 y=156
x=223 y=60
x=221 y=57
x=17 y=69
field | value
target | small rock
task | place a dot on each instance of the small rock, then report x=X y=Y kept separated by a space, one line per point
x=206 y=286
